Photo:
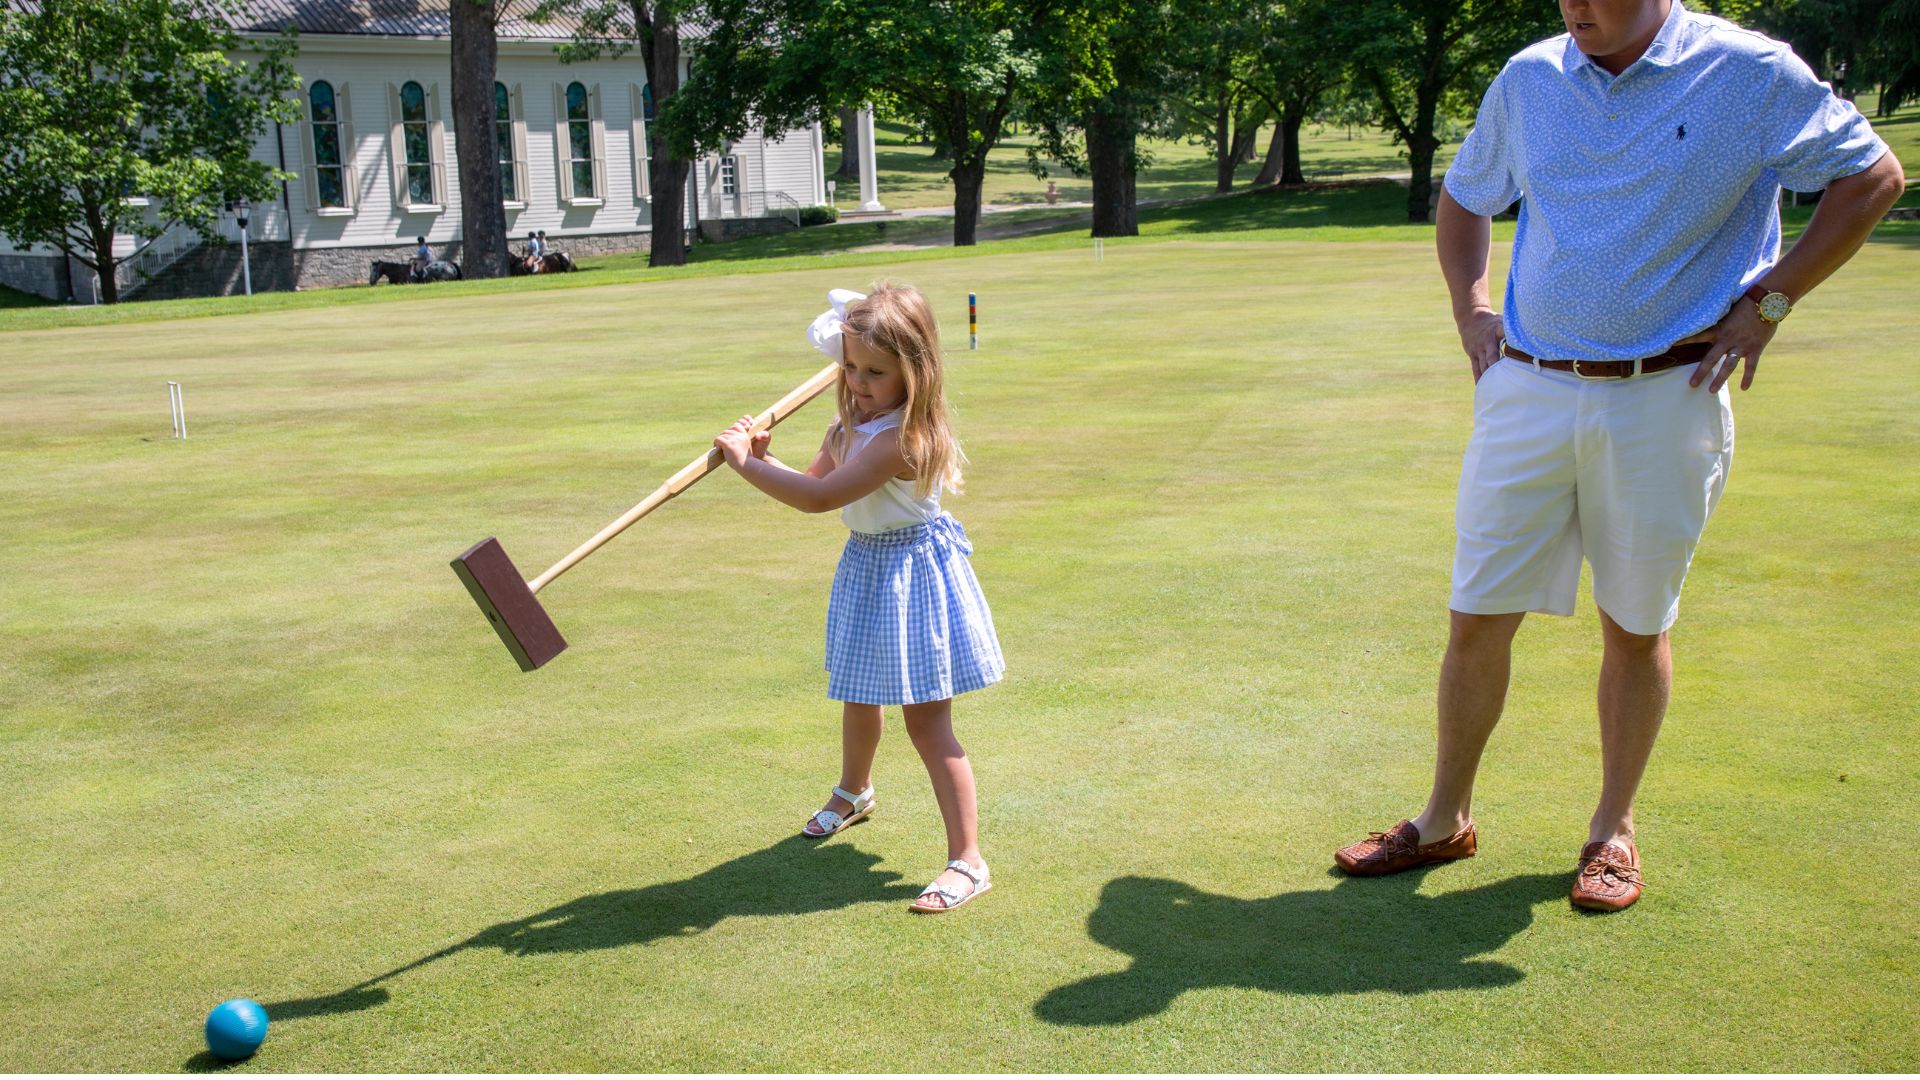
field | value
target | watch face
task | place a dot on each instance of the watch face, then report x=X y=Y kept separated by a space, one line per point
x=1774 y=307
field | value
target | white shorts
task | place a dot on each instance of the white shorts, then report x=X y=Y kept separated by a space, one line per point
x=1622 y=471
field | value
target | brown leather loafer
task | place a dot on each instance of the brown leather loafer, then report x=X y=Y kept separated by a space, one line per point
x=1609 y=877
x=1399 y=848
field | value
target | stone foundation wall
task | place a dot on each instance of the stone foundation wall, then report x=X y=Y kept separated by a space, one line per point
x=214 y=269
x=615 y=244
x=721 y=230
x=319 y=268
x=36 y=274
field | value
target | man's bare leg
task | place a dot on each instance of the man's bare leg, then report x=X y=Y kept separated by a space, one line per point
x=1473 y=690
x=1636 y=676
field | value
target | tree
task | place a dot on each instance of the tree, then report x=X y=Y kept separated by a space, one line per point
x=1421 y=56
x=1214 y=100
x=1303 y=59
x=954 y=68
x=609 y=28
x=1105 y=77
x=103 y=102
x=476 y=139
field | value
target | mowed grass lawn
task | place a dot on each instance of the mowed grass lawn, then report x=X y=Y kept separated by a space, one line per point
x=257 y=741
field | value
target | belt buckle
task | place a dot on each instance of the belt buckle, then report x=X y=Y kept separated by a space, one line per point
x=1574 y=365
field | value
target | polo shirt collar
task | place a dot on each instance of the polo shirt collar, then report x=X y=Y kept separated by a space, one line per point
x=1664 y=51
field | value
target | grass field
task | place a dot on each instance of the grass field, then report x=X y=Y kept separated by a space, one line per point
x=1370 y=212
x=259 y=743
x=910 y=176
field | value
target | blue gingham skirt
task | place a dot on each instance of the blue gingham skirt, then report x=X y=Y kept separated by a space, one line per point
x=907 y=622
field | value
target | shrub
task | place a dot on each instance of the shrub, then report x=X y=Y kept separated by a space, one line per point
x=818 y=215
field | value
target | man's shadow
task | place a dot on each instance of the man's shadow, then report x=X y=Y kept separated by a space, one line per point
x=793 y=877
x=1363 y=934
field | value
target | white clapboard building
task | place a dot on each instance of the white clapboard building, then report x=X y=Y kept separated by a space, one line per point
x=376 y=167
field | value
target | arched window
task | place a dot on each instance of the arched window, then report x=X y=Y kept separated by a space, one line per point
x=646 y=101
x=328 y=169
x=503 y=139
x=415 y=133
x=580 y=140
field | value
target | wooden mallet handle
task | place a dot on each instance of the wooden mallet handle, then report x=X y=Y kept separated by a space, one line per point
x=691 y=475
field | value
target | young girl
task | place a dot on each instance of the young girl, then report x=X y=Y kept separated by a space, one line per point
x=907 y=624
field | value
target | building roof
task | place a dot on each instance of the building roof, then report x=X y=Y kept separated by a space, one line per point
x=372 y=18
x=388 y=18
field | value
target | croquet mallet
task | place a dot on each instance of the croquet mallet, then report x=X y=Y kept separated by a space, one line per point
x=509 y=602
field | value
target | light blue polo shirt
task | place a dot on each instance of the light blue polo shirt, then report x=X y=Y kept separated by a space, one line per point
x=1651 y=198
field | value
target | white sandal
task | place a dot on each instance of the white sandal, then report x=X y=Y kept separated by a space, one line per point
x=830 y=822
x=953 y=896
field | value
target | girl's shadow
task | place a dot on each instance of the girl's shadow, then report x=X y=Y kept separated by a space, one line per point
x=1363 y=934
x=793 y=877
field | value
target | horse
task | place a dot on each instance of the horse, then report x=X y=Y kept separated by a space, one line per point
x=553 y=262
x=400 y=273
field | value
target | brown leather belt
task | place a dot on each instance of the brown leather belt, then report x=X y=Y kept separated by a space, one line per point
x=1617 y=369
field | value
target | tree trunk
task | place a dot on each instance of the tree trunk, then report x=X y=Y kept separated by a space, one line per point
x=660 y=48
x=1421 y=145
x=1223 y=149
x=969 y=177
x=1110 y=160
x=1290 y=169
x=849 y=145
x=483 y=217
x=101 y=235
x=1243 y=142
x=1276 y=156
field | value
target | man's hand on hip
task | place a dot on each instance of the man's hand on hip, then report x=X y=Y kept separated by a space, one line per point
x=1481 y=332
x=1738 y=339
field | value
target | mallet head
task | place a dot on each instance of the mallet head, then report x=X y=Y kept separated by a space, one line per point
x=509 y=604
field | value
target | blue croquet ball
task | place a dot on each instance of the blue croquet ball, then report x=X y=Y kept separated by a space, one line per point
x=235 y=1029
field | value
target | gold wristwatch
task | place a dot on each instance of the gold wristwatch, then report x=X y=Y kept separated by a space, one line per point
x=1774 y=306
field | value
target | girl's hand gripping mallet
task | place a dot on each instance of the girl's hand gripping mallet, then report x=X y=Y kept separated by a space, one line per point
x=509 y=602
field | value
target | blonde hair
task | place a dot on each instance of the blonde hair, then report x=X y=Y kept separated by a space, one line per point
x=897 y=320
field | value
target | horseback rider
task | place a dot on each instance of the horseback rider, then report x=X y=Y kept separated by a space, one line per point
x=422 y=258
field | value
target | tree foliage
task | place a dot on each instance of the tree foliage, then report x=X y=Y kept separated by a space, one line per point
x=106 y=101
x=1106 y=75
x=1426 y=58
x=954 y=68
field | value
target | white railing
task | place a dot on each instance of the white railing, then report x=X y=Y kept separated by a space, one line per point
x=781 y=204
x=760 y=204
x=157 y=254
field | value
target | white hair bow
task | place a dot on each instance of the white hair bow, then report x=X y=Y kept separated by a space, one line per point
x=826 y=330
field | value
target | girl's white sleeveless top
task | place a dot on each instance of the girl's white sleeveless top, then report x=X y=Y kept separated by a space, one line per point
x=894 y=506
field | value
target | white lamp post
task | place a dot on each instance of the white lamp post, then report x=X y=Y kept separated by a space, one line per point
x=240 y=210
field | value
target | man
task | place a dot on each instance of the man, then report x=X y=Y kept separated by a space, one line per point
x=1649 y=145
x=422 y=258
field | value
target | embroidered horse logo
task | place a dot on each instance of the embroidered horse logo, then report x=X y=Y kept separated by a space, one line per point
x=1680 y=132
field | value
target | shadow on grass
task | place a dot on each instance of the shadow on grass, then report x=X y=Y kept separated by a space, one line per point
x=793 y=877
x=1364 y=934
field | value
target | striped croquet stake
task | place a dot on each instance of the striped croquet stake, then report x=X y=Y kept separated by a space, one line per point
x=973 y=321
